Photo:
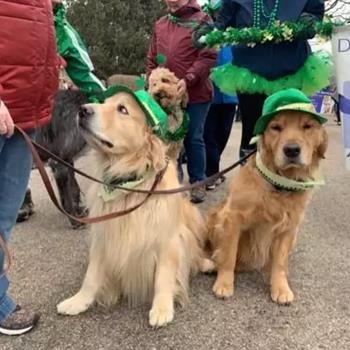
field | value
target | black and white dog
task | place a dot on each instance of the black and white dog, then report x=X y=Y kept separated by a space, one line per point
x=62 y=138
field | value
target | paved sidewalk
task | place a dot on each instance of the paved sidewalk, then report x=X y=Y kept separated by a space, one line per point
x=50 y=261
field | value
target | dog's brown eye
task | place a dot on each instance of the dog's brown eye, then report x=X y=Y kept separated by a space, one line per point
x=276 y=128
x=164 y=80
x=307 y=126
x=122 y=109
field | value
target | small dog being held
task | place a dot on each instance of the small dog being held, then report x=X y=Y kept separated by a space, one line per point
x=257 y=226
x=150 y=252
x=163 y=87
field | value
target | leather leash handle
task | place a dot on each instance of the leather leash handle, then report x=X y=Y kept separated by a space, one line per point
x=53 y=197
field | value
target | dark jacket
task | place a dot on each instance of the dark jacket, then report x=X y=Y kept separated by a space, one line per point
x=271 y=61
x=183 y=58
x=28 y=60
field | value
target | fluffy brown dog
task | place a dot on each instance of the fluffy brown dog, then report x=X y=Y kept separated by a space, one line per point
x=257 y=226
x=150 y=253
x=162 y=85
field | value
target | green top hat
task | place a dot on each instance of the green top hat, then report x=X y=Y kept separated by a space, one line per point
x=286 y=100
x=157 y=118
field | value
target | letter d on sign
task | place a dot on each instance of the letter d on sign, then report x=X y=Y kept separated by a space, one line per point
x=343 y=45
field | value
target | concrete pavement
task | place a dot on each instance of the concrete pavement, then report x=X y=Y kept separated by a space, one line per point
x=50 y=261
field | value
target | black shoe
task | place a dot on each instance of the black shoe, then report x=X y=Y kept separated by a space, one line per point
x=27 y=208
x=198 y=194
x=19 y=322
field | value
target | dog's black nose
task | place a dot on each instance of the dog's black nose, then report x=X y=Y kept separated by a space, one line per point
x=85 y=111
x=291 y=150
x=159 y=94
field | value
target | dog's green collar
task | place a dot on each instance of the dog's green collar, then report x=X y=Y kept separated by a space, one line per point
x=283 y=183
x=115 y=185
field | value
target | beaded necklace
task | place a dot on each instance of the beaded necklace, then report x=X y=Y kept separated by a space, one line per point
x=259 y=10
x=183 y=22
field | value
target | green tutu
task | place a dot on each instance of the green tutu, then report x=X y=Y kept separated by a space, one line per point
x=312 y=77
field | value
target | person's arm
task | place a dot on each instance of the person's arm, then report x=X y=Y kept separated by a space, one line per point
x=73 y=50
x=201 y=67
x=151 y=56
x=226 y=15
x=313 y=12
x=315 y=9
x=224 y=18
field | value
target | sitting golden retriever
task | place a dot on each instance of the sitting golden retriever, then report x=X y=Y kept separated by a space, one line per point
x=162 y=85
x=149 y=253
x=257 y=226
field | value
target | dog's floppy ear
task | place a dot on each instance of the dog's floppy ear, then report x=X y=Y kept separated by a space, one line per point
x=184 y=100
x=322 y=147
x=156 y=152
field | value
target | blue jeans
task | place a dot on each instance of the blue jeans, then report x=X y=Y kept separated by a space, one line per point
x=194 y=141
x=216 y=133
x=15 y=167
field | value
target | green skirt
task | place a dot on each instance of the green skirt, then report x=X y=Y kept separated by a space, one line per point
x=312 y=77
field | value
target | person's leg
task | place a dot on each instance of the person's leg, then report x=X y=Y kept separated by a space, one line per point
x=195 y=148
x=210 y=139
x=251 y=109
x=227 y=116
x=15 y=167
x=27 y=207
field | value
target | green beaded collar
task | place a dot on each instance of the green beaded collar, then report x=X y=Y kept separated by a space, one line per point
x=282 y=183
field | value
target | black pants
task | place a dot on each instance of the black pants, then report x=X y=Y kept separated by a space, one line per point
x=251 y=109
x=216 y=133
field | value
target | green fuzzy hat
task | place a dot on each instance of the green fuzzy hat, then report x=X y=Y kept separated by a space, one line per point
x=286 y=100
x=157 y=118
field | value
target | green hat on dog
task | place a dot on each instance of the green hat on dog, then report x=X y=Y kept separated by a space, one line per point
x=157 y=118
x=286 y=100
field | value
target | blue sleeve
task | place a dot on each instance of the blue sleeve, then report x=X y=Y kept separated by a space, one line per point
x=226 y=16
x=315 y=8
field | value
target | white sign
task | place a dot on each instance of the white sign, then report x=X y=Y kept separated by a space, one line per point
x=341 y=54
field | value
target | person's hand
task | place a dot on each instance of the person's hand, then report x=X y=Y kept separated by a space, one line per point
x=199 y=35
x=6 y=122
x=181 y=87
x=309 y=21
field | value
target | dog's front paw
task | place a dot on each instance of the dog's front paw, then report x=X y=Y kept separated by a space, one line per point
x=161 y=315
x=223 y=289
x=206 y=265
x=282 y=295
x=74 y=306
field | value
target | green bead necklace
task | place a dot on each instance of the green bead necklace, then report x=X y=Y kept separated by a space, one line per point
x=183 y=22
x=259 y=10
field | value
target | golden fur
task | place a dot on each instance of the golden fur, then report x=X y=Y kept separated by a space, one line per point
x=256 y=227
x=150 y=253
x=163 y=87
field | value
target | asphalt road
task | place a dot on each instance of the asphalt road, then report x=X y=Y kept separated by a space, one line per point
x=50 y=260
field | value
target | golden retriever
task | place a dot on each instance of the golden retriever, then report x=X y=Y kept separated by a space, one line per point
x=162 y=85
x=150 y=253
x=257 y=226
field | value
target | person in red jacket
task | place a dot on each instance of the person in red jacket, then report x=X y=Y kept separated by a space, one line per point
x=28 y=82
x=172 y=38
